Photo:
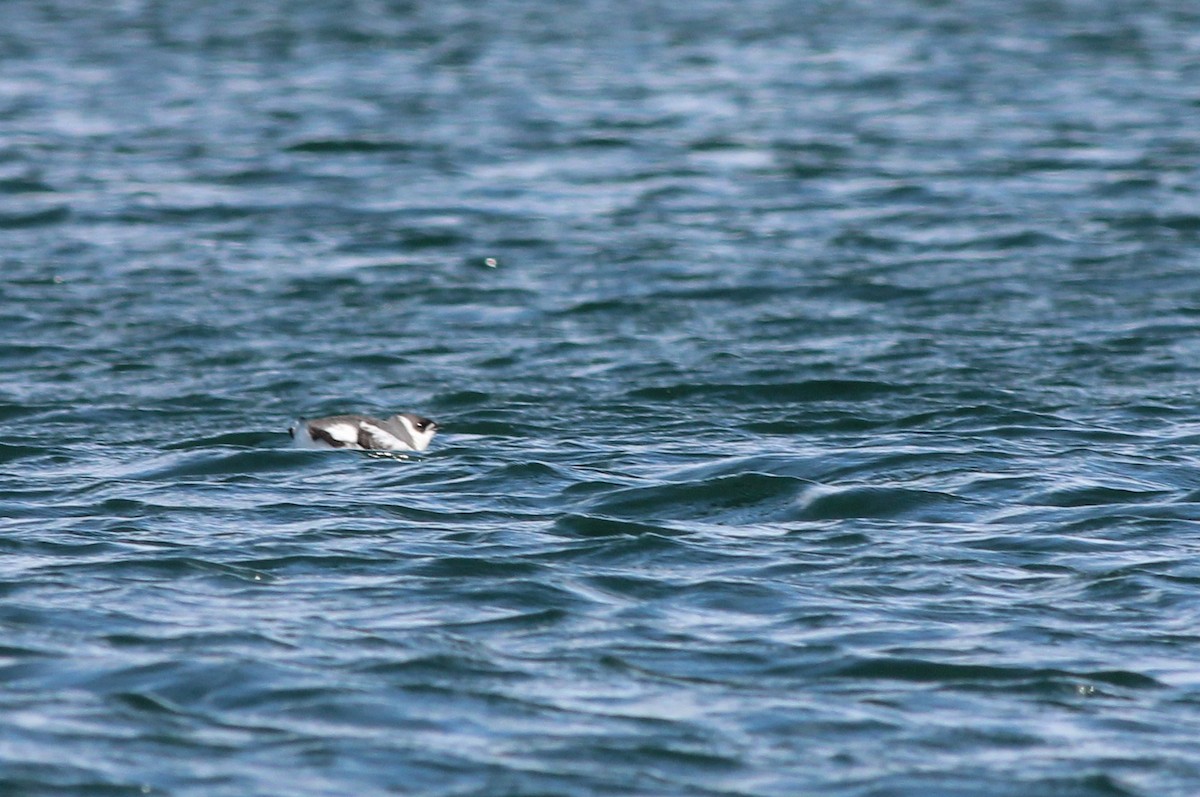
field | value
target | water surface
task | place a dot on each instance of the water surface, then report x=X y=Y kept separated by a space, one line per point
x=817 y=380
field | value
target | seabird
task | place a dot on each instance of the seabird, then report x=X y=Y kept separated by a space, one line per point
x=402 y=432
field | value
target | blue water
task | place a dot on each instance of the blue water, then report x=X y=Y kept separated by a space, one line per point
x=818 y=385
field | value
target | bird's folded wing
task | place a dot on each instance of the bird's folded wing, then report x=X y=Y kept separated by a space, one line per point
x=371 y=436
x=338 y=435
